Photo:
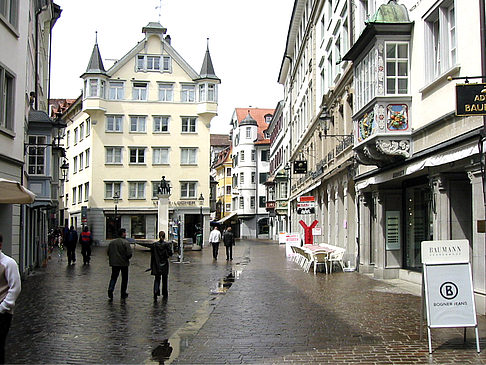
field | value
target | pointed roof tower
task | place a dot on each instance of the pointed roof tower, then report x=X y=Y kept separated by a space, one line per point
x=95 y=65
x=207 y=69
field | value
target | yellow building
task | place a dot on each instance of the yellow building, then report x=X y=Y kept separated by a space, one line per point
x=222 y=175
x=146 y=117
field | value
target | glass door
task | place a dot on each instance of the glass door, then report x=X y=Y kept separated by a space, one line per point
x=418 y=225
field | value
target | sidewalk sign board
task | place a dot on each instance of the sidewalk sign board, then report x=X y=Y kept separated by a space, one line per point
x=447 y=286
x=291 y=239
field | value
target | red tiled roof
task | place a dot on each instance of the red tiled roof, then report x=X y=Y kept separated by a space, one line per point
x=219 y=139
x=60 y=105
x=259 y=115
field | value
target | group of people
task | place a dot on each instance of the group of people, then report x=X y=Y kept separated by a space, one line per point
x=228 y=241
x=70 y=240
x=119 y=254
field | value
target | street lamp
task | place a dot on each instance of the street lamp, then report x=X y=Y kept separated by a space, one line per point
x=64 y=169
x=116 y=198
x=201 y=203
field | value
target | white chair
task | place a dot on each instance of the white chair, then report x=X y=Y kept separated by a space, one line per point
x=320 y=258
x=336 y=256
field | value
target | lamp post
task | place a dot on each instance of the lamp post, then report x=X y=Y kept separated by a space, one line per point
x=200 y=235
x=116 y=198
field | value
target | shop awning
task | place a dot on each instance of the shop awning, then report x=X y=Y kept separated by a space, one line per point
x=438 y=159
x=224 y=219
x=11 y=192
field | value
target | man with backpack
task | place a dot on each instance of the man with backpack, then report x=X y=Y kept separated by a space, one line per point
x=86 y=240
x=159 y=265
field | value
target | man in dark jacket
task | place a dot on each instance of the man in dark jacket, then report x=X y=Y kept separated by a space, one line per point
x=229 y=242
x=86 y=240
x=119 y=253
x=72 y=239
x=159 y=264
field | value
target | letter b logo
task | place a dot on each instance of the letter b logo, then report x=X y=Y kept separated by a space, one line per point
x=449 y=290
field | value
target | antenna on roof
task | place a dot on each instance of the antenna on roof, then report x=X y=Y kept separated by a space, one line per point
x=160 y=8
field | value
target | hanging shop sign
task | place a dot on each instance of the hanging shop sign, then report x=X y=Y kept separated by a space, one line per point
x=448 y=289
x=300 y=167
x=470 y=99
x=306 y=205
x=84 y=214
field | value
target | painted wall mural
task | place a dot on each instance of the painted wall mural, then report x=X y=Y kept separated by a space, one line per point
x=365 y=126
x=397 y=117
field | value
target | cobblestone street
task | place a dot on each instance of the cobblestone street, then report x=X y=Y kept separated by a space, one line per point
x=259 y=308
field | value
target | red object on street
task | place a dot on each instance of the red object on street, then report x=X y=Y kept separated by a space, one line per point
x=308 y=238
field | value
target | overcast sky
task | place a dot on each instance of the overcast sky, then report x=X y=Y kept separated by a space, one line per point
x=246 y=41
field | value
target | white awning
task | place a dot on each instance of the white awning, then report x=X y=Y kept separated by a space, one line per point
x=224 y=219
x=11 y=192
x=431 y=161
x=305 y=191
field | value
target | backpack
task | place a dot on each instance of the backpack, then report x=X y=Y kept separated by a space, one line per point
x=85 y=237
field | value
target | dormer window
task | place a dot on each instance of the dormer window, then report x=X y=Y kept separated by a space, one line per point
x=153 y=63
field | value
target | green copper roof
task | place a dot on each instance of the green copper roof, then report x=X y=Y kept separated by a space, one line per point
x=390 y=13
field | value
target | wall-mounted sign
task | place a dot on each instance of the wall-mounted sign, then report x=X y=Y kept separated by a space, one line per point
x=300 y=167
x=306 y=205
x=392 y=230
x=84 y=214
x=470 y=99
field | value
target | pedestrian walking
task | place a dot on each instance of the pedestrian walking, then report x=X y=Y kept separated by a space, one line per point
x=86 y=240
x=229 y=242
x=9 y=291
x=119 y=254
x=214 y=238
x=71 y=245
x=159 y=265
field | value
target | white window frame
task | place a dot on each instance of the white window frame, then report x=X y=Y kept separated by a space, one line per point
x=80 y=193
x=188 y=93
x=37 y=162
x=81 y=131
x=112 y=187
x=189 y=155
x=74 y=195
x=111 y=154
x=7 y=98
x=440 y=40
x=87 y=154
x=166 y=92
x=76 y=136
x=248 y=132
x=140 y=91
x=160 y=155
x=188 y=189
x=138 y=153
x=136 y=190
x=396 y=61
x=10 y=12
x=116 y=90
x=161 y=123
x=86 y=191
x=189 y=124
x=75 y=163
x=81 y=161
x=88 y=127
x=242 y=203
x=116 y=121
x=138 y=124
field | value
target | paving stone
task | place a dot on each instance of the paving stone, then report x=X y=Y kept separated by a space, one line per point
x=273 y=313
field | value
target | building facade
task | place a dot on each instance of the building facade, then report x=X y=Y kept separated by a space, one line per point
x=316 y=115
x=28 y=144
x=420 y=176
x=146 y=117
x=250 y=156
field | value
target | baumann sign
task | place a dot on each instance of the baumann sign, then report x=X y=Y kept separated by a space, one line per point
x=470 y=99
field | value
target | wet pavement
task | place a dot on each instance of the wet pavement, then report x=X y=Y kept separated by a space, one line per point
x=258 y=308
